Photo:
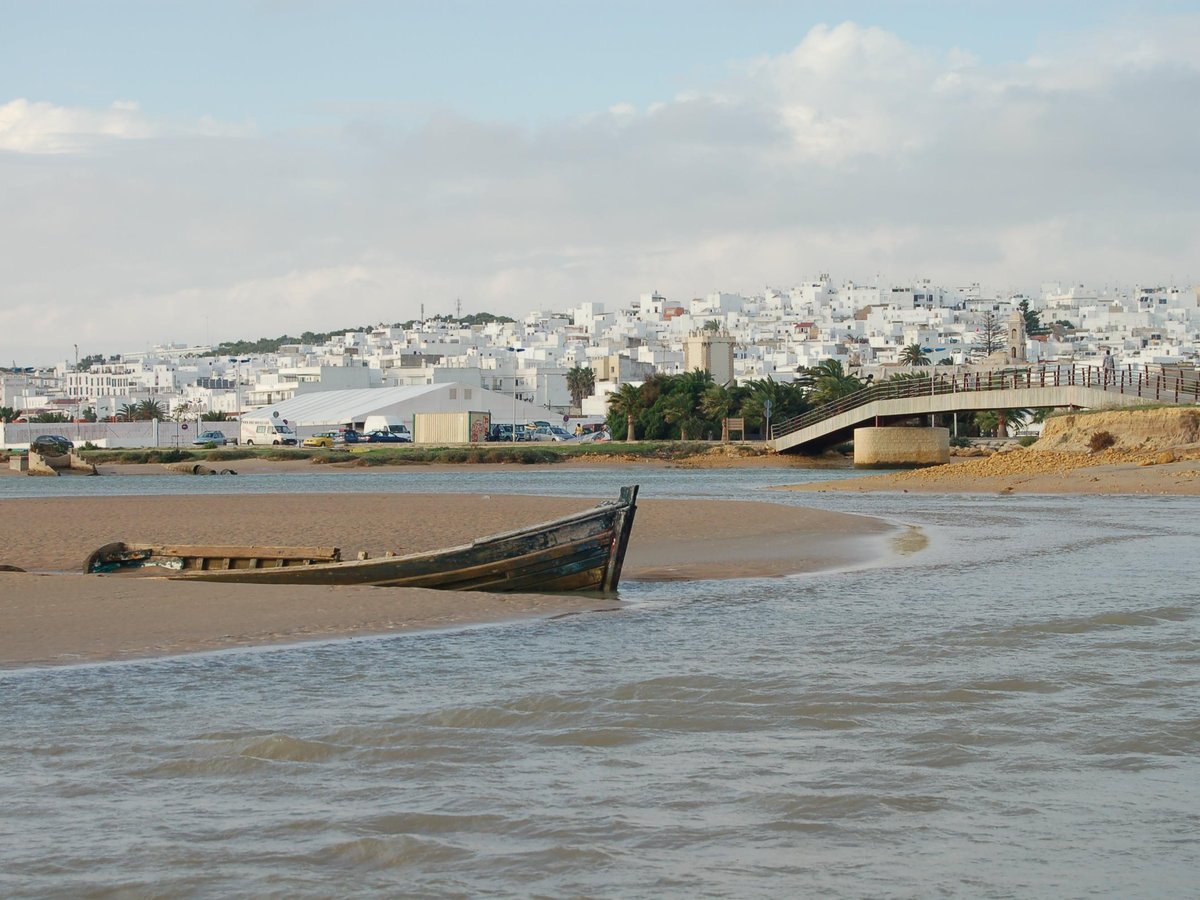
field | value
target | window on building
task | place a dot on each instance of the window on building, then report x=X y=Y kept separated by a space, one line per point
x=453 y=393
x=466 y=393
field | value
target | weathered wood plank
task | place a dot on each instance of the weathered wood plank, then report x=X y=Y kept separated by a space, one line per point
x=219 y=552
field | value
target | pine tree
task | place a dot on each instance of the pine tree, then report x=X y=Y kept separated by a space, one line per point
x=990 y=336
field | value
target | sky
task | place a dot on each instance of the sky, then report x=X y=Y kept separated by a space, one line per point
x=209 y=171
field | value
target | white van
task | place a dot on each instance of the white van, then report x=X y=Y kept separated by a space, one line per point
x=268 y=433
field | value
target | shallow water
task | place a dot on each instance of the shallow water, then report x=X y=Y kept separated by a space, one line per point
x=1010 y=711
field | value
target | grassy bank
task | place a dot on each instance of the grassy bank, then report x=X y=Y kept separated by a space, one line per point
x=392 y=455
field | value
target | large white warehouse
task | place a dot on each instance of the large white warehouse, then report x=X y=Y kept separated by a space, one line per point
x=325 y=410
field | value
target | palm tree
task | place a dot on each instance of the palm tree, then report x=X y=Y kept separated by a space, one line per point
x=682 y=402
x=581 y=382
x=7 y=414
x=787 y=399
x=149 y=409
x=906 y=376
x=127 y=412
x=913 y=355
x=718 y=401
x=998 y=420
x=827 y=381
x=626 y=402
x=693 y=385
x=679 y=410
x=758 y=392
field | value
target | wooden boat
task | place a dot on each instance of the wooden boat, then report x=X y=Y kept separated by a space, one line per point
x=580 y=552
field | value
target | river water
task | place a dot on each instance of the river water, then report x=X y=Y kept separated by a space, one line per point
x=1012 y=712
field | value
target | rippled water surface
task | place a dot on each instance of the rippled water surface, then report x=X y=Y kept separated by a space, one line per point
x=1014 y=711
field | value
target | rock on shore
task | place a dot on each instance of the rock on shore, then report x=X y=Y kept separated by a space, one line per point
x=1174 y=428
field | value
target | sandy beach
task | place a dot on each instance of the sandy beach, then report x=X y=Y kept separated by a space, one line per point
x=1028 y=471
x=52 y=615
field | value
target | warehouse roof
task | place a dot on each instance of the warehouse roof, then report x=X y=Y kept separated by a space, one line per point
x=339 y=407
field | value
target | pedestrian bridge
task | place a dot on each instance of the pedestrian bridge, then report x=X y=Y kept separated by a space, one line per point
x=892 y=402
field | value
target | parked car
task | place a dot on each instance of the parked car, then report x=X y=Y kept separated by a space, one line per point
x=551 y=433
x=211 y=437
x=387 y=437
x=51 y=444
x=596 y=436
x=504 y=433
x=325 y=439
x=350 y=436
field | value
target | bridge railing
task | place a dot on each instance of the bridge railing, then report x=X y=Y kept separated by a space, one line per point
x=1158 y=383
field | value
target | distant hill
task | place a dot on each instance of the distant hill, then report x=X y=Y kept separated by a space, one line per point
x=272 y=345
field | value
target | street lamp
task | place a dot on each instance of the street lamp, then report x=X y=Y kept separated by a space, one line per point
x=514 y=416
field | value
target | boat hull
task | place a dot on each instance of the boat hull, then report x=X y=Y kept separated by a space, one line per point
x=580 y=552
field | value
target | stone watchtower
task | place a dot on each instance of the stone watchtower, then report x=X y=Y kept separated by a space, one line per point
x=1016 y=337
x=711 y=352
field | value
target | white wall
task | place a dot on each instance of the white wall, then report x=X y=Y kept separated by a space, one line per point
x=17 y=435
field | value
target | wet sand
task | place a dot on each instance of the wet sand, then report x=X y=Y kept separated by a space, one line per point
x=1031 y=472
x=53 y=615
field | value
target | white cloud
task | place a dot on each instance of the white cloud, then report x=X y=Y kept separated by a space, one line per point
x=43 y=128
x=855 y=154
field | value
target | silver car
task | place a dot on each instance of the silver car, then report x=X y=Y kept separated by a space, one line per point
x=211 y=437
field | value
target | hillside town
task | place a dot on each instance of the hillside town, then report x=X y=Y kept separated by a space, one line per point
x=520 y=368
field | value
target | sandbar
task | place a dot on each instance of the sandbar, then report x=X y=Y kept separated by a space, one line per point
x=51 y=615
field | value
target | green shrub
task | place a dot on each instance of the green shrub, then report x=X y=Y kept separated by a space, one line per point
x=1027 y=440
x=530 y=456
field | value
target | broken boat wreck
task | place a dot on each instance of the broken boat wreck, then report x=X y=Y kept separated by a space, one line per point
x=579 y=552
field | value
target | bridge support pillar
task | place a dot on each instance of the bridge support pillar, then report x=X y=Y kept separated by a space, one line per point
x=901 y=446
